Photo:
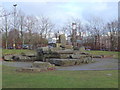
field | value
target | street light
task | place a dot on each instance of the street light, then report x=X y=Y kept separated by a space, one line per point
x=14 y=15
x=15 y=5
x=14 y=22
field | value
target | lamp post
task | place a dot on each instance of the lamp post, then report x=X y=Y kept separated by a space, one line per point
x=14 y=23
x=14 y=15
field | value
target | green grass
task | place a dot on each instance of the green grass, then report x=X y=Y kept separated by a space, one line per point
x=16 y=51
x=115 y=54
x=59 y=79
x=0 y=75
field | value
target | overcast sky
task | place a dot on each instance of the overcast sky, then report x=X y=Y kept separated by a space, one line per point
x=59 y=12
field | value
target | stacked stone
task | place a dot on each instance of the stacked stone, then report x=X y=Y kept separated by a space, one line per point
x=21 y=57
x=38 y=67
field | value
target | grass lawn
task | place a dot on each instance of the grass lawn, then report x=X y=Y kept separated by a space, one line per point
x=0 y=75
x=59 y=79
x=115 y=54
x=16 y=51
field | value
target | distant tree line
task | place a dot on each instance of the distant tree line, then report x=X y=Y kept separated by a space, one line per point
x=35 y=31
x=28 y=29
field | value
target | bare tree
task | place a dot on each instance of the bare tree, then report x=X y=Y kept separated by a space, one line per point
x=112 y=29
x=67 y=28
x=21 y=20
x=45 y=26
x=13 y=38
x=30 y=26
x=96 y=24
x=5 y=24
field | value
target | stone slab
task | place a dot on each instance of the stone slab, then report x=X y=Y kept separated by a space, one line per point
x=69 y=62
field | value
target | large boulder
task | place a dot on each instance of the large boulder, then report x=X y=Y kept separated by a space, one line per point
x=43 y=49
x=68 y=46
x=8 y=57
x=39 y=64
x=29 y=54
x=43 y=65
x=72 y=60
x=65 y=62
x=33 y=69
x=23 y=58
x=38 y=67
x=30 y=70
x=97 y=56
x=67 y=51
